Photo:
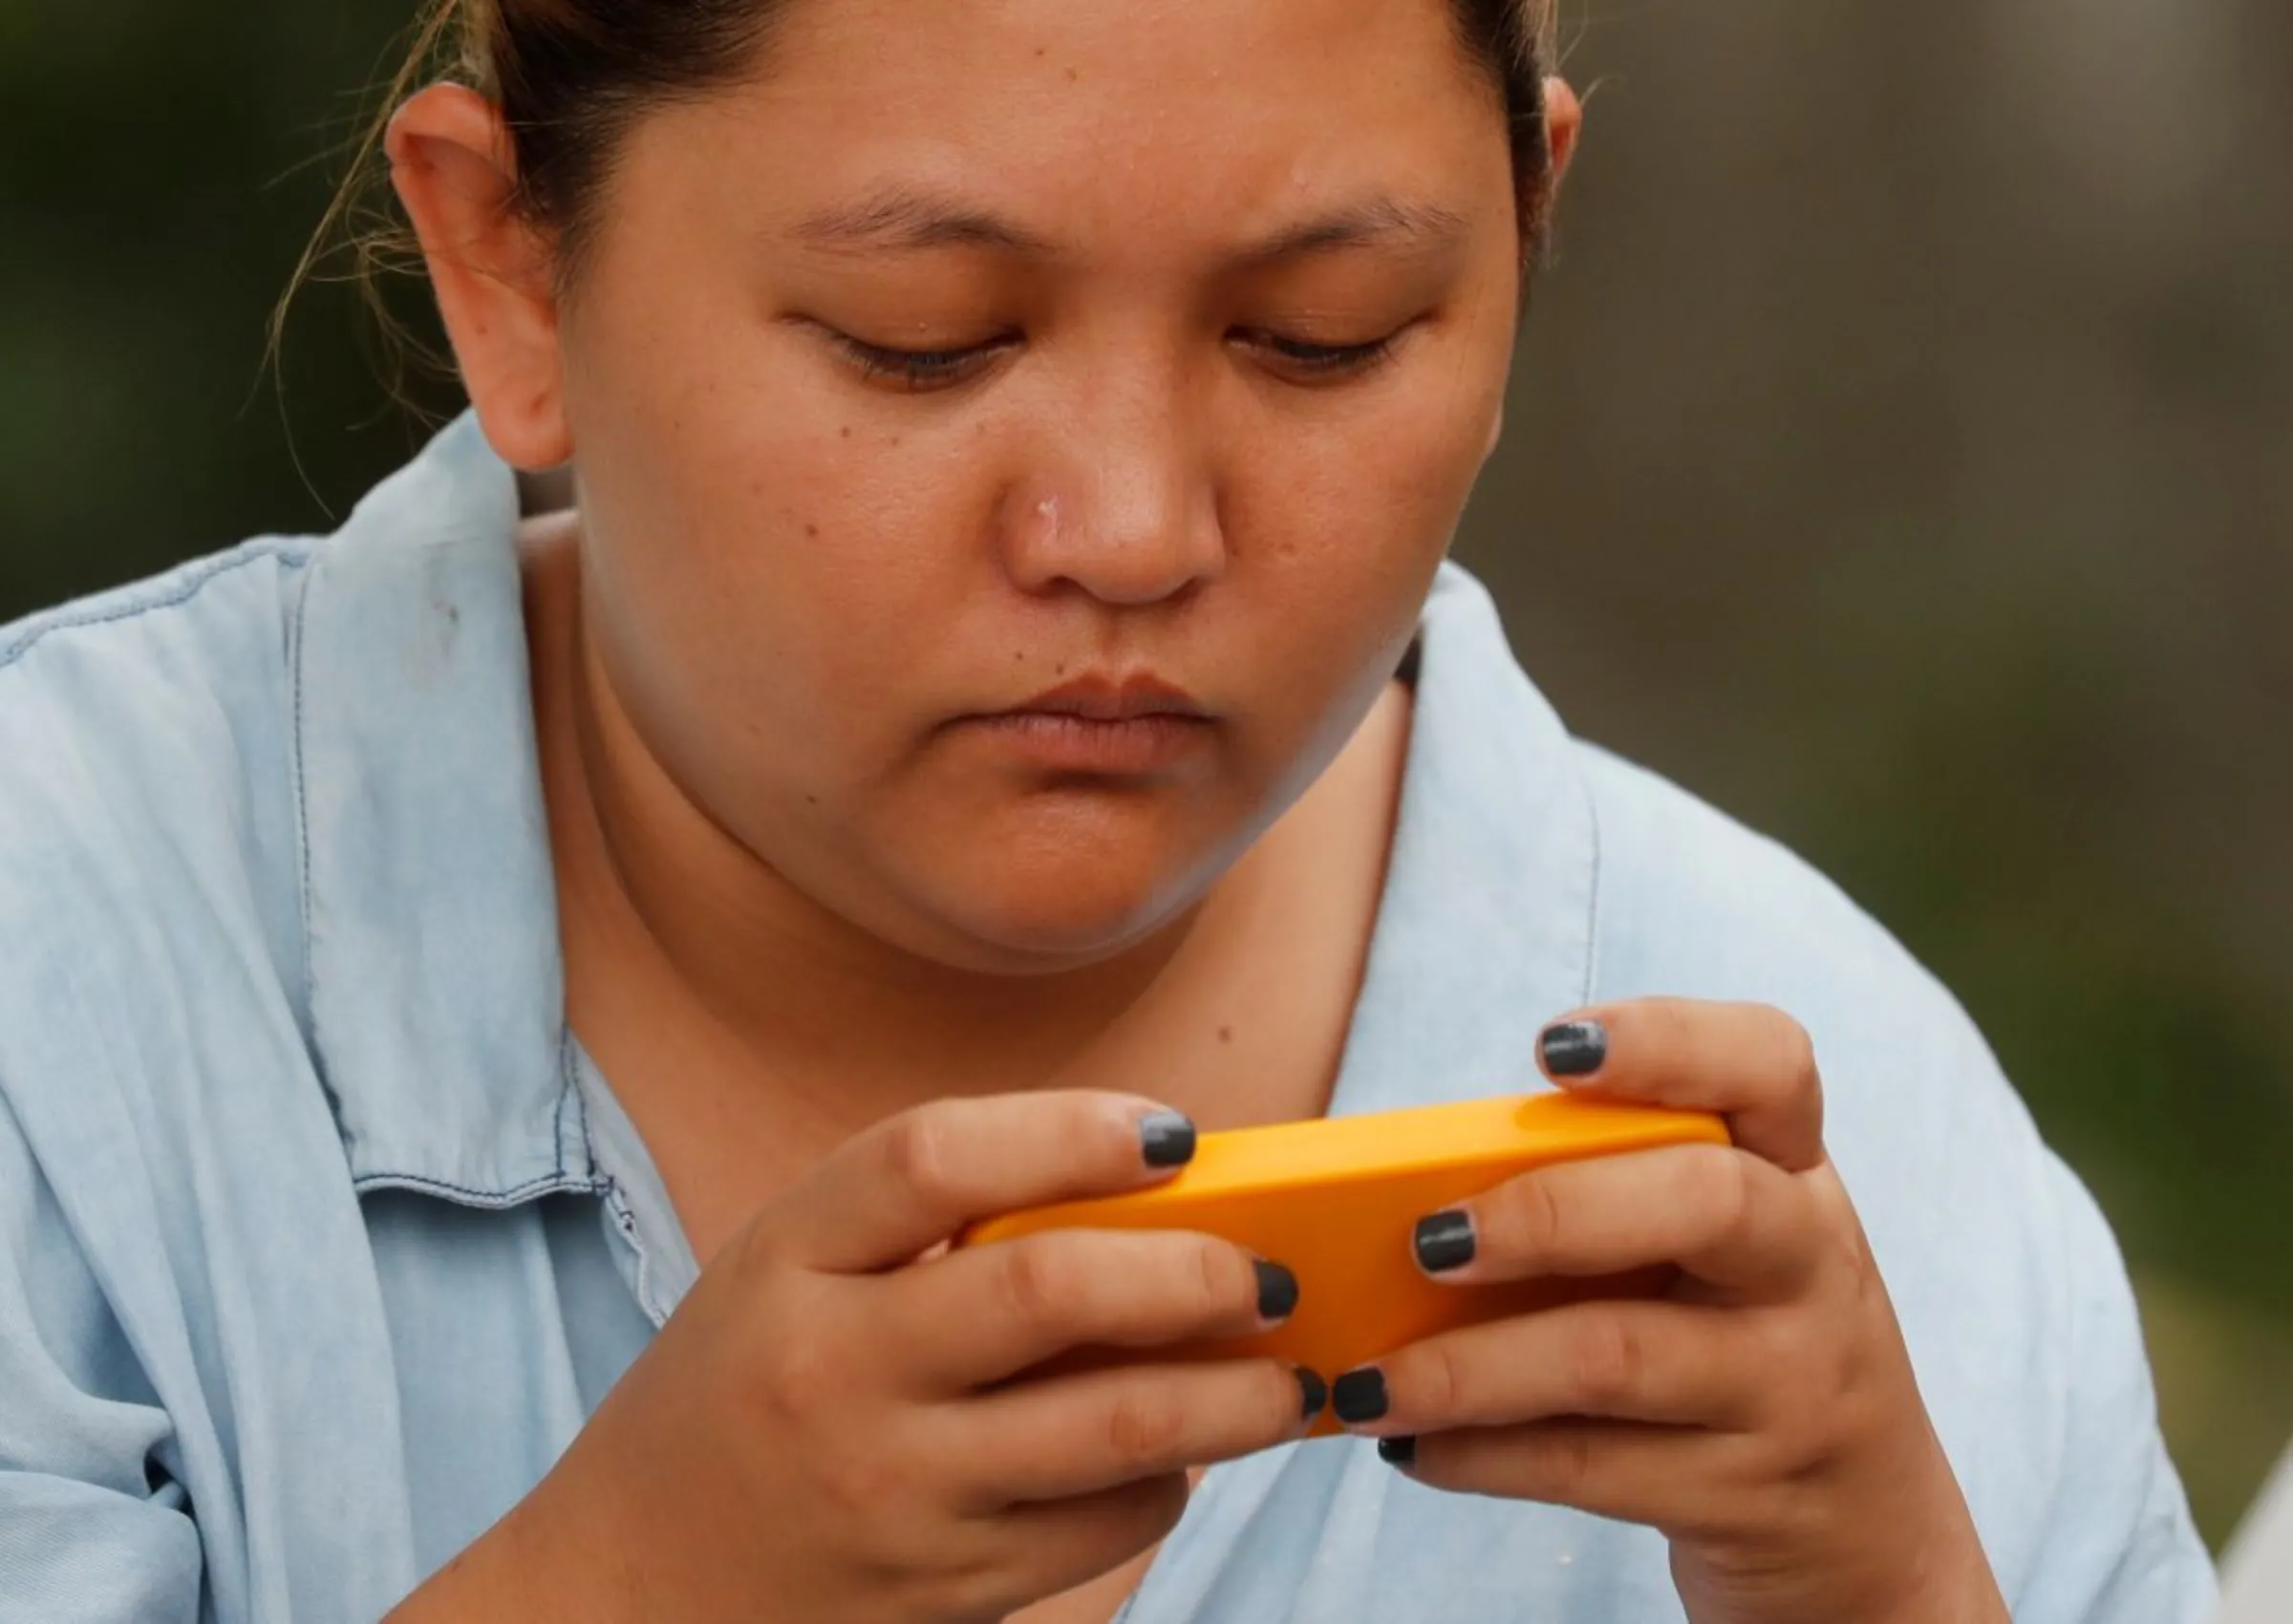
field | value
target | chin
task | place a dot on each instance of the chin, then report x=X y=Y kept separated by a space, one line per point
x=1056 y=882
x=1049 y=928
x=1022 y=916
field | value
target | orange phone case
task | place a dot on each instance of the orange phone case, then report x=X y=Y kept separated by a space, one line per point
x=1338 y=1200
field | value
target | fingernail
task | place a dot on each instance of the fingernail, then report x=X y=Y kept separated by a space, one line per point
x=1445 y=1241
x=1167 y=1139
x=1398 y=1451
x=1315 y=1391
x=1360 y=1395
x=1277 y=1290
x=1574 y=1048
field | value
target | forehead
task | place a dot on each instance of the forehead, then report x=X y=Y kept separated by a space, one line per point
x=1086 y=117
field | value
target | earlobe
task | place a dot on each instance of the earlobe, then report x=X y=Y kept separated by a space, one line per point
x=453 y=169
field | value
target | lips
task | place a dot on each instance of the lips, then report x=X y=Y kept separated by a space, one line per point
x=1099 y=727
x=1107 y=699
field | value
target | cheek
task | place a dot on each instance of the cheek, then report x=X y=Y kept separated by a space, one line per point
x=772 y=568
x=1348 y=522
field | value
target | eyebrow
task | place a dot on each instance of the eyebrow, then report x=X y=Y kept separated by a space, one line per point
x=902 y=219
x=1380 y=222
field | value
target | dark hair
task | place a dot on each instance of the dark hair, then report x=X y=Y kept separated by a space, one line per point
x=571 y=77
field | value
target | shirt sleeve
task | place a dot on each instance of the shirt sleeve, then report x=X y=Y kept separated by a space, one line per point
x=2258 y=1572
x=2119 y=1546
x=93 y=1529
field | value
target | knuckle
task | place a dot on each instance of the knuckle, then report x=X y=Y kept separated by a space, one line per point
x=1221 y=1278
x=854 y=1484
x=1033 y=1283
x=1729 y=1197
x=1796 y=1070
x=1608 y=1361
x=1855 y=1264
x=1814 y=1401
x=798 y=1378
x=1530 y=1219
x=1568 y=1458
x=978 y=1585
x=1820 y=1359
x=1437 y=1381
x=917 y=1151
x=1143 y=1429
x=759 y=1252
x=1797 y=1447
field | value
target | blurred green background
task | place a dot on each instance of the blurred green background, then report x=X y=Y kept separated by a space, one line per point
x=1901 y=456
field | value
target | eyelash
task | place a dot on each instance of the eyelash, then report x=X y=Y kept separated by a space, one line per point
x=1330 y=360
x=919 y=370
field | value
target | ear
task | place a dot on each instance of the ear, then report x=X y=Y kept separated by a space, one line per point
x=1564 y=122
x=1564 y=119
x=455 y=170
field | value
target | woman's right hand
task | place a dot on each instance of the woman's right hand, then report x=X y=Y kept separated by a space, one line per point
x=827 y=1427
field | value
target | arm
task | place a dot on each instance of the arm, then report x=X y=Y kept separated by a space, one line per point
x=90 y=1530
x=2118 y=1545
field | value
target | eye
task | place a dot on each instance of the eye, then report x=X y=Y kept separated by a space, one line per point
x=1306 y=361
x=918 y=371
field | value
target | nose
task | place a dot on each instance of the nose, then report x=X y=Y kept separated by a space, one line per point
x=1120 y=502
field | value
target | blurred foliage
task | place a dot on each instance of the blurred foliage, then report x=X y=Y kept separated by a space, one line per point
x=1902 y=456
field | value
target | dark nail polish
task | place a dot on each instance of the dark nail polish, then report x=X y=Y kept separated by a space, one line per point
x=1445 y=1241
x=1314 y=1390
x=1574 y=1048
x=1277 y=1290
x=1167 y=1138
x=1398 y=1451
x=1360 y=1395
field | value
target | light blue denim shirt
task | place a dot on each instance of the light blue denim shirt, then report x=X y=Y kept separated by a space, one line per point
x=319 y=1236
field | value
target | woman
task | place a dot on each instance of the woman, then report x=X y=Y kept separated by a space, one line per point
x=995 y=705
x=2257 y=1569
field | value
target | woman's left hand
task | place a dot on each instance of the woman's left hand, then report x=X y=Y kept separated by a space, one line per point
x=1763 y=1413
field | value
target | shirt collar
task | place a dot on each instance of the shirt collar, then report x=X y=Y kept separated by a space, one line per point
x=437 y=987
x=1485 y=929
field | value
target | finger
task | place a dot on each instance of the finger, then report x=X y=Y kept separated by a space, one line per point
x=1051 y=1547
x=1721 y=1215
x=1752 y=1064
x=987 y=1312
x=1673 y=1364
x=1077 y=1435
x=912 y=1181
x=1662 y=1476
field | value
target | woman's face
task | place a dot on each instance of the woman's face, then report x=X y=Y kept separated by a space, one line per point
x=1206 y=309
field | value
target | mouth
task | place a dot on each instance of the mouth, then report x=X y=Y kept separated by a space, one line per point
x=1099 y=698
x=1097 y=726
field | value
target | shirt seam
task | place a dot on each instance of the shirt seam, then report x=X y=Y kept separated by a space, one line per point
x=294 y=551
x=298 y=644
x=609 y=1190
x=561 y=1180
x=564 y=1097
x=492 y=1199
x=625 y=1219
x=593 y=1178
x=1595 y=877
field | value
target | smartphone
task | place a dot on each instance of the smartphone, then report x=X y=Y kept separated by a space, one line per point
x=1338 y=1200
